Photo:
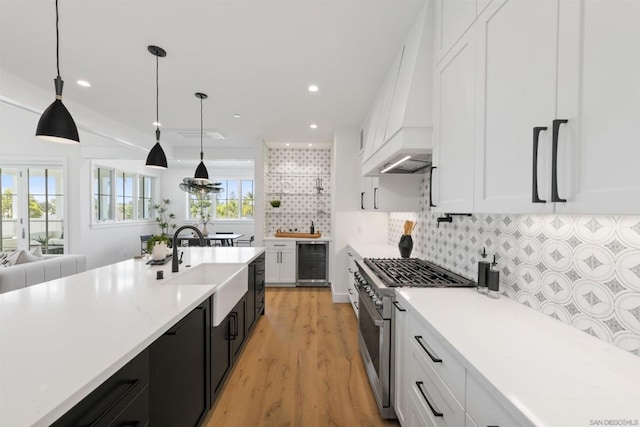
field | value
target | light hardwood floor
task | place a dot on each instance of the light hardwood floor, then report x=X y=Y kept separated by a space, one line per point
x=301 y=367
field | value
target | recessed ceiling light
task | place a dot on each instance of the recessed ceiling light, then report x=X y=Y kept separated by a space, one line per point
x=84 y=83
x=157 y=124
x=313 y=88
x=288 y=144
x=236 y=116
x=313 y=126
x=310 y=145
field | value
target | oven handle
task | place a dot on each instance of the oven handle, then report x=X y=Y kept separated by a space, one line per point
x=375 y=317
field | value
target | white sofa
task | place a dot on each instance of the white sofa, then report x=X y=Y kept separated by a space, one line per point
x=49 y=268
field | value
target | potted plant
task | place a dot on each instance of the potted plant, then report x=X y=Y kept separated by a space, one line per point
x=275 y=203
x=157 y=246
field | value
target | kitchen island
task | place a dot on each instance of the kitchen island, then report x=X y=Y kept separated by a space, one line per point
x=59 y=340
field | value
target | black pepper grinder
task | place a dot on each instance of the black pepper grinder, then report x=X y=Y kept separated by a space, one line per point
x=493 y=282
x=483 y=273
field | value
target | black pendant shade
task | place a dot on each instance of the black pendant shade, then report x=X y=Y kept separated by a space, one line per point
x=156 y=157
x=202 y=175
x=56 y=123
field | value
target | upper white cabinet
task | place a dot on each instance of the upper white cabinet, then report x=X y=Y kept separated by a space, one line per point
x=454 y=131
x=453 y=19
x=390 y=193
x=516 y=78
x=557 y=101
x=599 y=96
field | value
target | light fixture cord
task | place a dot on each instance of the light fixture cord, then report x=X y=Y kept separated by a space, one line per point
x=157 y=96
x=201 y=129
x=57 y=42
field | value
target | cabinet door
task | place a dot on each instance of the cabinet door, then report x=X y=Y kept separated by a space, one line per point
x=453 y=18
x=180 y=371
x=250 y=315
x=272 y=267
x=260 y=270
x=599 y=95
x=397 y=193
x=221 y=359
x=238 y=333
x=454 y=136
x=516 y=77
x=288 y=266
x=402 y=362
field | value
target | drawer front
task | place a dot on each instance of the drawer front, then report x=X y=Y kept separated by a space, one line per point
x=434 y=400
x=486 y=410
x=437 y=353
x=280 y=245
x=136 y=413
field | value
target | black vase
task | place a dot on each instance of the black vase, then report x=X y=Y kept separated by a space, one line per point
x=405 y=246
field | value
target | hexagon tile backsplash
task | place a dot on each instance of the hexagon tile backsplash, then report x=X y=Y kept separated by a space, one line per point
x=582 y=270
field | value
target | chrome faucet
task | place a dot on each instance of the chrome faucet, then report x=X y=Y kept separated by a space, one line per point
x=176 y=239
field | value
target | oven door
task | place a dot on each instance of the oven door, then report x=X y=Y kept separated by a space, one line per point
x=374 y=333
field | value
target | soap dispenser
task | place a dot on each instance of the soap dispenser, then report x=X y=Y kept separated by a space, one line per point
x=312 y=230
x=483 y=273
x=493 y=281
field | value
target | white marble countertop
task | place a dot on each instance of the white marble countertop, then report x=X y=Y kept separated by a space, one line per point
x=300 y=239
x=367 y=250
x=554 y=374
x=59 y=340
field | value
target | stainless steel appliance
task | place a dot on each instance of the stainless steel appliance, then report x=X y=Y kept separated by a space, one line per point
x=375 y=280
x=312 y=266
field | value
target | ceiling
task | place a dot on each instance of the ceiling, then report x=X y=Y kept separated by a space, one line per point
x=252 y=58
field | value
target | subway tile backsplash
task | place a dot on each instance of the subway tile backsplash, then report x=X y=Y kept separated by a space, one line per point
x=582 y=270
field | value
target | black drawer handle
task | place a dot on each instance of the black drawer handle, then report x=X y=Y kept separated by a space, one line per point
x=535 y=198
x=375 y=198
x=181 y=324
x=132 y=385
x=398 y=306
x=350 y=270
x=420 y=340
x=435 y=412
x=362 y=200
x=349 y=253
x=356 y=304
x=554 y=161
x=431 y=204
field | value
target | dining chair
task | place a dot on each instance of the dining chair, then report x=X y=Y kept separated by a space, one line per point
x=246 y=242
x=226 y=242
x=143 y=243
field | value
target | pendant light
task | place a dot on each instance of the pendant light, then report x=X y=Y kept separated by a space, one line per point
x=156 y=157
x=201 y=175
x=56 y=123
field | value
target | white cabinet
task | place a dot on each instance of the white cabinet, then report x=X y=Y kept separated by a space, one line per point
x=543 y=62
x=391 y=193
x=517 y=51
x=401 y=402
x=351 y=288
x=454 y=17
x=454 y=132
x=483 y=408
x=599 y=95
x=280 y=261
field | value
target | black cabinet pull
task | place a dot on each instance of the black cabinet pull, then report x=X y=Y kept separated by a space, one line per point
x=232 y=328
x=132 y=384
x=350 y=270
x=375 y=198
x=435 y=412
x=398 y=306
x=535 y=198
x=554 y=161
x=431 y=205
x=362 y=200
x=420 y=340
x=181 y=324
x=356 y=304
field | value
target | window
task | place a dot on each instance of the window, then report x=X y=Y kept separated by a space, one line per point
x=235 y=202
x=122 y=196
x=145 y=197
x=32 y=206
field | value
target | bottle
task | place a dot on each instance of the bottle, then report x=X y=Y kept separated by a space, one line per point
x=313 y=230
x=493 y=281
x=483 y=273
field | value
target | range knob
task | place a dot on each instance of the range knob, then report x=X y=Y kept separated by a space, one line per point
x=370 y=292
x=378 y=303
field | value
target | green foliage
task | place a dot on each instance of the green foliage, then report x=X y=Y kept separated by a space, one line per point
x=164 y=218
x=35 y=210
x=7 y=203
x=156 y=238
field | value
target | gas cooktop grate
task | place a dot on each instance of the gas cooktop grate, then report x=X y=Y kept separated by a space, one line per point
x=414 y=272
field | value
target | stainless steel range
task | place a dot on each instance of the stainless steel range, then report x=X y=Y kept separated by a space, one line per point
x=375 y=280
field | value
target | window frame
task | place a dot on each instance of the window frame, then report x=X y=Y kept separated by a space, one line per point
x=214 y=204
